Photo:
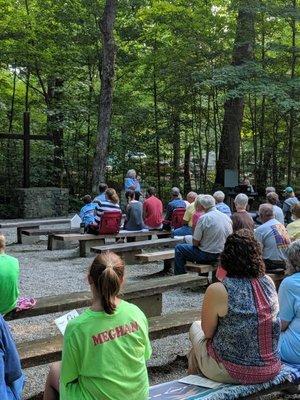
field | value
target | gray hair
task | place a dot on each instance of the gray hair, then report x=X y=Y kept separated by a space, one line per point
x=293 y=255
x=131 y=173
x=266 y=211
x=241 y=200
x=270 y=189
x=205 y=200
x=192 y=195
x=219 y=196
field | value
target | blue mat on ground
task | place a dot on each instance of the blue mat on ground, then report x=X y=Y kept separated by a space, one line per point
x=176 y=390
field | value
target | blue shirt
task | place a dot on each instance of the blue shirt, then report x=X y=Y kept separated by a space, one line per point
x=100 y=197
x=172 y=205
x=11 y=377
x=129 y=182
x=289 y=304
x=224 y=208
x=87 y=213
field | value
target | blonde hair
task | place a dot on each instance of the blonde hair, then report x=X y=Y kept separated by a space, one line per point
x=2 y=242
x=111 y=194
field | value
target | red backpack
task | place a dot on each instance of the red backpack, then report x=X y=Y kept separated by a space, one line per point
x=110 y=222
x=177 y=218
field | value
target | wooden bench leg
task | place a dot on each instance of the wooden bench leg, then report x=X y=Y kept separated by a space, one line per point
x=168 y=265
x=150 y=305
x=19 y=232
x=50 y=242
x=85 y=246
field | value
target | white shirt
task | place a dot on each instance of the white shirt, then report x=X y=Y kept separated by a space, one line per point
x=212 y=230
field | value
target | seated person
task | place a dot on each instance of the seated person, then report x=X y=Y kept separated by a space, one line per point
x=273 y=238
x=209 y=236
x=111 y=203
x=9 y=280
x=236 y=340
x=187 y=228
x=132 y=183
x=289 y=305
x=294 y=227
x=105 y=349
x=152 y=210
x=87 y=213
x=11 y=377
x=219 y=197
x=271 y=189
x=134 y=213
x=241 y=219
x=272 y=198
x=289 y=201
x=101 y=195
x=176 y=202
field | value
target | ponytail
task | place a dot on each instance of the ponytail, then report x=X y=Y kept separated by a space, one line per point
x=106 y=272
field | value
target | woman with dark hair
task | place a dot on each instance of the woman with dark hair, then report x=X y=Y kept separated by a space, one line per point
x=237 y=338
x=134 y=213
x=105 y=348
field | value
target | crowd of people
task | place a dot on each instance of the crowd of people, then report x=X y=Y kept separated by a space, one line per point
x=246 y=329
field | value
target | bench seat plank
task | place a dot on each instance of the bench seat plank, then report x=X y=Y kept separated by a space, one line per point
x=45 y=231
x=132 y=290
x=43 y=351
x=122 y=234
x=156 y=256
x=124 y=247
x=200 y=268
x=34 y=222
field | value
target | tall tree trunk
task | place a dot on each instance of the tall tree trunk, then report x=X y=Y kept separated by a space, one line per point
x=157 y=137
x=176 y=148
x=106 y=26
x=187 y=176
x=229 y=151
x=55 y=119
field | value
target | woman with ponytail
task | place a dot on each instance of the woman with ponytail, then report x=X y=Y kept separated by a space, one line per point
x=106 y=347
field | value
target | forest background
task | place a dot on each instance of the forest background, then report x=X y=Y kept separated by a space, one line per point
x=184 y=92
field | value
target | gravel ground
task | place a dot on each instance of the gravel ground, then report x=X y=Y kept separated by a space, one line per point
x=51 y=273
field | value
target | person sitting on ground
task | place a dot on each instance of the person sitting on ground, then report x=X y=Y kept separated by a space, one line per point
x=294 y=227
x=273 y=238
x=87 y=213
x=290 y=200
x=241 y=219
x=289 y=305
x=152 y=210
x=101 y=196
x=110 y=204
x=132 y=183
x=176 y=202
x=134 y=213
x=187 y=227
x=105 y=349
x=209 y=236
x=272 y=198
x=236 y=340
x=271 y=189
x=219 y=196
x=12 y=379
x=9 y=280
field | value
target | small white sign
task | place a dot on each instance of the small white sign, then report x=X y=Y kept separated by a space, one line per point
x=76 y=221
x=200 y=381
x=62 y=321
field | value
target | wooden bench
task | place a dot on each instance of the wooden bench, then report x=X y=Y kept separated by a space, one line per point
x=167 y=256
x=146 y=294
x=130 y=250
x=86 y=241
x=46 y=350
x=35 y=223
x=48 y=232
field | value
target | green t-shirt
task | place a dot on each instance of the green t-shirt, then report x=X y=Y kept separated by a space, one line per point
x=104 y=356
x=9 y=283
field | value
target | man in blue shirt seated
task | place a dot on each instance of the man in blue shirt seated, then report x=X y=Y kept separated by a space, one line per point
x=176 y=202
x=101 y=196
x=219 y=196
x=87 y=213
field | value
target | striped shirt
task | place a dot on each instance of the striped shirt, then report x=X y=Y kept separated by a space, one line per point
x=103 y=206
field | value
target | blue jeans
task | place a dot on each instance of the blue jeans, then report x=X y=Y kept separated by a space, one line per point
x=188 y=252
x=184 y=230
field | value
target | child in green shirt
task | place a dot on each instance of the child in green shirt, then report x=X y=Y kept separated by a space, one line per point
x=106 y=347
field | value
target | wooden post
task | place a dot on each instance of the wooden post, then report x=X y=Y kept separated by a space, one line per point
x=26 y=149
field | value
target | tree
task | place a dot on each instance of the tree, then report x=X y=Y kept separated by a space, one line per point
x=106 y=26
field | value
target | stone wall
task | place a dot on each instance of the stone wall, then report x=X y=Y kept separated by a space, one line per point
x=41 y=202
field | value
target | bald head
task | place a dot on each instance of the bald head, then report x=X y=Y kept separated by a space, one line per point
x=266 y=212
